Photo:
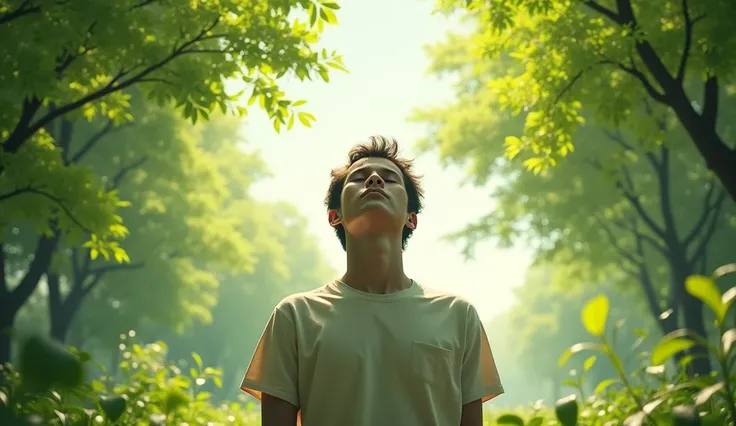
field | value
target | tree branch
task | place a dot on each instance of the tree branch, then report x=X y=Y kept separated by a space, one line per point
x=58 y=201
x=710 y=102
x=608 y=13
x=710 y=229
x=704 y=214
x=648 y=86
x=633 y=199
x=24 y=9
x=120 y=175
x=688 y=42
x=21 y=132
x=16 y=138
x=641 y=236
x=92 y=141
x=641 y=273
x=39 y=265
x=98 y=273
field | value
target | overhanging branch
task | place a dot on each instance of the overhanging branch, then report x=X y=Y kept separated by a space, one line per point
x=98 y=273
x=117 y=83
x=120 y=175
x=57 y=201
x=25 y=8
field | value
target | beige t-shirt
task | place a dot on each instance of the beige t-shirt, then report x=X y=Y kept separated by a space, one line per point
x=346 y=357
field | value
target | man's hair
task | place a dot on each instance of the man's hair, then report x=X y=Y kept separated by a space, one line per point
x=377 y=147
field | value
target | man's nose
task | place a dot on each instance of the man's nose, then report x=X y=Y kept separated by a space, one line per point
x=374 y=181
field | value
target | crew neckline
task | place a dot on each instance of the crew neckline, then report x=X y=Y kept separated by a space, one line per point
x=347 y=290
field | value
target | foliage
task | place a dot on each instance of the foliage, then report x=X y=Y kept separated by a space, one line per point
x=81 y=61
x=619 y=209
x=545 y=322
x=149 y=389
x=607 y=58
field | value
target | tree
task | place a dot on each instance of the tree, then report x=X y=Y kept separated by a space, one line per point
x=619 y=206
x=184 y=230
x=181 y=180
x=605 y=57
x=67 y=65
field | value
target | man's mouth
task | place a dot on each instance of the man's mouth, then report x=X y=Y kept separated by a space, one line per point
x=373 y=191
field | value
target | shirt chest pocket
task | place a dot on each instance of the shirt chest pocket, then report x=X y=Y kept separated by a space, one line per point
x=430 y=363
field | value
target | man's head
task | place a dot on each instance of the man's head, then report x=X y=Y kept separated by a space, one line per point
x=376 y=192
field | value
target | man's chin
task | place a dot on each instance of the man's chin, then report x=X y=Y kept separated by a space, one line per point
x=374 y=220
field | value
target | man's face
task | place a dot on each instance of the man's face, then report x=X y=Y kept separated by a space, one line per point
x=373 y=199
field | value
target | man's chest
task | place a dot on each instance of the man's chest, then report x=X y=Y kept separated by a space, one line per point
x=402 y=340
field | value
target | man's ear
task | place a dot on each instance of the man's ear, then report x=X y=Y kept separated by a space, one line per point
x=411 y=221
x=334 y=217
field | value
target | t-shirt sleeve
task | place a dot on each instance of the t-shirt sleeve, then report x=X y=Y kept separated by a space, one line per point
x=273 y=369
x=479 y=375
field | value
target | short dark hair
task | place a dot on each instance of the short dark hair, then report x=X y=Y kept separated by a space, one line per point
x=377 y=147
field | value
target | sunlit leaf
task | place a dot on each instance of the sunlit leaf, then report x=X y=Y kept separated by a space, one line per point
x=668 y=347
x=705 y=289
x=595 y=314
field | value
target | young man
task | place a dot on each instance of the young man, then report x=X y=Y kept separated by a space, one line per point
x=373 y=348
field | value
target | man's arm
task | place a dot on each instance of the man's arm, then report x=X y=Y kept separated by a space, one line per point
x=472 y=414
x=277 y=412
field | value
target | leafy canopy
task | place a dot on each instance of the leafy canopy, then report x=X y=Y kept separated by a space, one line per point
x=82 y=60
x=568 y=55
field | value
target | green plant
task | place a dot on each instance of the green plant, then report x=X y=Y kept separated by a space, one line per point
x=691 y=398
x=149 y=389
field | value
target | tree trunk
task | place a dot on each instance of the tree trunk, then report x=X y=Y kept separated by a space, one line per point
x=12 y=301
x=692 y=313
x=692 y=310
x=7 y=320
x=62 y=310
x=719 y=157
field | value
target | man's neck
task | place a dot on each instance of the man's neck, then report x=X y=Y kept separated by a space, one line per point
x=375 y=265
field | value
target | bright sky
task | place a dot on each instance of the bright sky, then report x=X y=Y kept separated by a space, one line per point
x=382 y=43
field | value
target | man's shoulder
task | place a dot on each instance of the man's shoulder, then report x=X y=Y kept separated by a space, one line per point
x=296 y=302
x=445 y=299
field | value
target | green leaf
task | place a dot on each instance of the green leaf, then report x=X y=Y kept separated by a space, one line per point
x=668 y=347
x=705 y=289
x=578 y=347
x=535 y=421
x=704 y=395
x=197 y=359
x=331 y=5
x=328 y=15
x=566 y=410
x=509 y=419
x=291 y=122
x=304 y=118
x=727 y=340
x=45 y=363
x=313 y=15
x=113 y=407
x=589 y=363
x=605 y=384
x=724 y=270
x=595 y=315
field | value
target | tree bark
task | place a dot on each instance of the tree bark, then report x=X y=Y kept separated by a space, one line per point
x=12 y=301
x=61 y=309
